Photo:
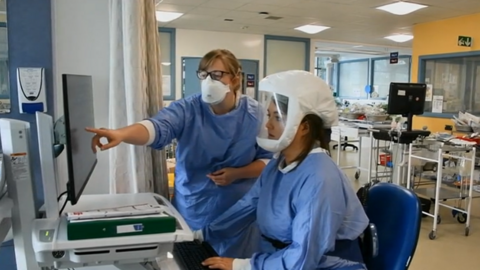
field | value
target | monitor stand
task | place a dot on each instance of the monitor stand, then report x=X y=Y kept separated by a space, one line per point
x=409 y=121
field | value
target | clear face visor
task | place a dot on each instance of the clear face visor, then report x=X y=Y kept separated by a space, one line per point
x=275 y=108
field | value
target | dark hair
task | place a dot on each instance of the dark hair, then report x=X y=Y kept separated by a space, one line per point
x=316 y=135
x=316 y=126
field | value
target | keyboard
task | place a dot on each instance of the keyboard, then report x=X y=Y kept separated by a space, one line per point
x=190 y=255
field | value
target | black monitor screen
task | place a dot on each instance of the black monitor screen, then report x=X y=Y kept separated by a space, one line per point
x=406 y=98
x=78 y=113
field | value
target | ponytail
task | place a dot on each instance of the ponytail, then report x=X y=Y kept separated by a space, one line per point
x=315 y=136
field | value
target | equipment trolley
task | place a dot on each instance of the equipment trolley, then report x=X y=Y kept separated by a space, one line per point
x=357 y=129
x=441 y=154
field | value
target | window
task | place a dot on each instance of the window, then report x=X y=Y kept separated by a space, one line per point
x=385 y=73
x=286 y=53
x=457 y=79
x=167 y=52
x=320 y=67
x=353 y=78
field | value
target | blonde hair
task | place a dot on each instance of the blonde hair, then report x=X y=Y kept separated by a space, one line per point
x=228 y=59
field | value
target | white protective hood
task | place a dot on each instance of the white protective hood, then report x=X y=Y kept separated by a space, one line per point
x=307 y=94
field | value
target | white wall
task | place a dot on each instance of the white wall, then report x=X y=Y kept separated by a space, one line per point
x=192 y=43
x=81 y=46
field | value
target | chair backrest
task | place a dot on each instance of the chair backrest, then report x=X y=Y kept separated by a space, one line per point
x=396 y=213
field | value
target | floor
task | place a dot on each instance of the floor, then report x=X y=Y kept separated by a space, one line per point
x=451 y=249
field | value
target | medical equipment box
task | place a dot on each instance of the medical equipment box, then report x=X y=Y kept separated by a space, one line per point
x=118 y=227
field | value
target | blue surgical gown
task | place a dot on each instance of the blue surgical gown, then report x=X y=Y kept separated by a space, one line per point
x=207 y=143
x=311 y=208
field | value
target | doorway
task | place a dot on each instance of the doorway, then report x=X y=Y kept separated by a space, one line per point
x=191 y=83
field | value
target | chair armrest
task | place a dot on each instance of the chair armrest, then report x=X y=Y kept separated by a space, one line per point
x=370 y=242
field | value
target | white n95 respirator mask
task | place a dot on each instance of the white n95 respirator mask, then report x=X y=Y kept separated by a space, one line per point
x=213 y=91
x=286 y=98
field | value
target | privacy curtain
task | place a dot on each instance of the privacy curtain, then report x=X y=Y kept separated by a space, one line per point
x=135 y=93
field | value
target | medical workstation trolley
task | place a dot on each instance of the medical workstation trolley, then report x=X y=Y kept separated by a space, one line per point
x=445 y=172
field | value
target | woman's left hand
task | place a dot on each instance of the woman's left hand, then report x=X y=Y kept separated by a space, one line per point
x=219 y=263
x=223 y=177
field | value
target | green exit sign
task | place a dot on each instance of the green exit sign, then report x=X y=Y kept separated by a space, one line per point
x=464 y=41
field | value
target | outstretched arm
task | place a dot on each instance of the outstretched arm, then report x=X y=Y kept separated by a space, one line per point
x=236 y=219
x=166 y=125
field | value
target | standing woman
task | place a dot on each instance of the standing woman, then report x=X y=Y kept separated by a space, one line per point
x=217 y=157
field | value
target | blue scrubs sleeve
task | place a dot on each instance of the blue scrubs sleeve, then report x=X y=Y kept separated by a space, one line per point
x=236 y=219
x=319 y=215
x=169 y=123
x=262 y=153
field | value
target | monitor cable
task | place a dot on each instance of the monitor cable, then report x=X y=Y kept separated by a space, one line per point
x=64 y=203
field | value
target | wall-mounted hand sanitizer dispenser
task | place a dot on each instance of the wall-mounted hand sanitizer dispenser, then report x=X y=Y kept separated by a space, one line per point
x=31 y=90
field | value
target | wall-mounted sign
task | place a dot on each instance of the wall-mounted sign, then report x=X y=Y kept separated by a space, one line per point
x=250 y=80
x=464 y=41
x=394 y=58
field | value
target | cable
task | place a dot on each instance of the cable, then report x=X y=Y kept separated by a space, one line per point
x=63 y=207
x=60 y=196
x=3 y=194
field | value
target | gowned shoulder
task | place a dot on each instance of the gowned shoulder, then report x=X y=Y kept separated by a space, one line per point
x=190 y=105
x=194 y=100
x=268 y=171
x=317 y=170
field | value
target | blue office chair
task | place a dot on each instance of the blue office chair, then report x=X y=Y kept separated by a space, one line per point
x=396 y=214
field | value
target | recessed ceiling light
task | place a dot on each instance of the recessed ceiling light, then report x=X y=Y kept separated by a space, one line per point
x=400 y=38
x=401 y=8
x=165 y=16
x=312 y=29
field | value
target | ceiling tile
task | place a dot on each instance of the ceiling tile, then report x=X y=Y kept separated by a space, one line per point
x=255 y=21
x=288 y=11
x=278 y=3
x=241 y=15
x=209 y=11
x=175 y=8
x=197 y=18
x=356 y=21
x=223 y=4
x=184 y=2
x=258 y=8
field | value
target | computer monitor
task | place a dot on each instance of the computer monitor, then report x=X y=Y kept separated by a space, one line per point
x=78 y=114
x=407 y=99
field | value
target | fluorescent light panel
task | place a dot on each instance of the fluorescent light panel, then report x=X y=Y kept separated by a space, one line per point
x=400 y=38
x=312 y=29
x=401 y=8
x=166 y=16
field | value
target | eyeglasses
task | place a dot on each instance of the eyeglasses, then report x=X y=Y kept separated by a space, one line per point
x=215 y=74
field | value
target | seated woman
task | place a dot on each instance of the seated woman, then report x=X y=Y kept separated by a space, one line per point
x=304 y=205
